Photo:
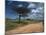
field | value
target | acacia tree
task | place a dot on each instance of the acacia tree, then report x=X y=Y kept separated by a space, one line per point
x=22 y=11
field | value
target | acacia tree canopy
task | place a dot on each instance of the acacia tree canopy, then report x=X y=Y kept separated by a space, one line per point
x=23 y=11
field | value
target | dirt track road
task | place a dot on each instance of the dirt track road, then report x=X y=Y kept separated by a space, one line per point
x=37 y=27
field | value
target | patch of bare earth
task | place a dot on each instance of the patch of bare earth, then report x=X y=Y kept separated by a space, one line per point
x=35 y=27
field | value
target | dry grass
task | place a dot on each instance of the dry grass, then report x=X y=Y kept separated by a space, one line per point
x=35 y=27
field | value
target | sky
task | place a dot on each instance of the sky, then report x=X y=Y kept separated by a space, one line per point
x=36 y=9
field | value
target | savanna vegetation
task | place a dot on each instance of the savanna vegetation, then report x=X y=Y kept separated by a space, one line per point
x=14 y=23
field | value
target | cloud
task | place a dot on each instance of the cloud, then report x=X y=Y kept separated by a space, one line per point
x=34 y=11
x=31 y=5
x=37 y=13
x=20 y=5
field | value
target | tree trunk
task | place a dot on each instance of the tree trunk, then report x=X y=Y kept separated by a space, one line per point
x=19 y=19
